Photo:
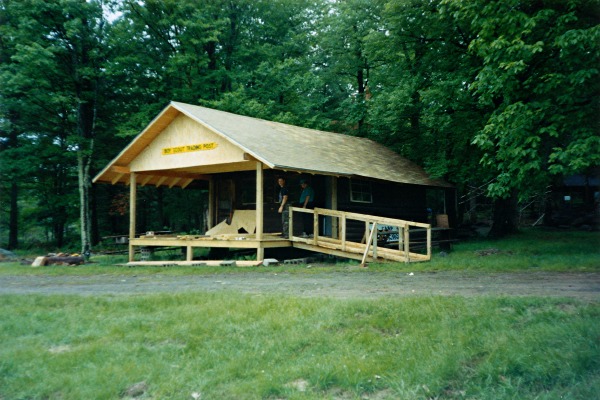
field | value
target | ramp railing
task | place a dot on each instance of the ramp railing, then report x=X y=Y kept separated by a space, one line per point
x=378 y=241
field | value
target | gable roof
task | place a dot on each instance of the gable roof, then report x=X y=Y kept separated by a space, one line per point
x=278 y=146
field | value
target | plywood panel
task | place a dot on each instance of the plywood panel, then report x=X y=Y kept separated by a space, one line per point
x=185 y=143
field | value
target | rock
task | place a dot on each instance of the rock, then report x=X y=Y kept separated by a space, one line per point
x=136 y=390
x=487 y=252
x=6 y=255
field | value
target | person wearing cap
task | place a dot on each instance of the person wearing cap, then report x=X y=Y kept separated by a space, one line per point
x=284 y=208
x=307 y=200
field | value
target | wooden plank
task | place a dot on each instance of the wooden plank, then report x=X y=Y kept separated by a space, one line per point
x=244 y=219
x=235 y=241
x=333 y=252
x=222 y=228
x=368 y=218
x=199 y=263
x=132 y=212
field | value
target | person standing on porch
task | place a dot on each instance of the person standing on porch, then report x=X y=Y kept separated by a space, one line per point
x=284 y=208
x=307 y=200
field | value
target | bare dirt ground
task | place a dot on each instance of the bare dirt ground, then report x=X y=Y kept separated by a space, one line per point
x=343 y=285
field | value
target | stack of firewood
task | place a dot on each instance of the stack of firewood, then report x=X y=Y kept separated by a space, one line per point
x=59 y=259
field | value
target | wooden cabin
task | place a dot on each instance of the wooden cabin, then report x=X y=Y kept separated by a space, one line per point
x=238 y=160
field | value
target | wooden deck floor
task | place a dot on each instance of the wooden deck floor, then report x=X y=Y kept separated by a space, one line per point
x=321 y=244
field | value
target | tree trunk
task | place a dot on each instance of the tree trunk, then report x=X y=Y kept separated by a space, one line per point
x=83 y=167
x=13 y=224
x=505 y=217
x=94 y=216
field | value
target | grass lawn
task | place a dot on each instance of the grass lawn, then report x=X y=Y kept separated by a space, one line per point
x=532 y=249
x=228 y=345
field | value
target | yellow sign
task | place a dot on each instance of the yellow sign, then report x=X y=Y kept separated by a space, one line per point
x=167 y=151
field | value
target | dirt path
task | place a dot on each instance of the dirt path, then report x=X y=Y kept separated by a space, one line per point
x=585 y=286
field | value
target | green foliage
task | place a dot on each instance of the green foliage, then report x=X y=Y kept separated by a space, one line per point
x=540 y=80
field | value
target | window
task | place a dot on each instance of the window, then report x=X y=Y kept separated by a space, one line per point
x=360 y=191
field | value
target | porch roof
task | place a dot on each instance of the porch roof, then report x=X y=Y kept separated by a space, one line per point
x=278 y=146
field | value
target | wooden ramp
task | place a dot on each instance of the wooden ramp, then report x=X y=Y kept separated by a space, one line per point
x=368 y=250
x=377 y=231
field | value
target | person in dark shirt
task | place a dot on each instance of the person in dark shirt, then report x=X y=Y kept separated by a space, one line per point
x=284 y=207
x=307 y=200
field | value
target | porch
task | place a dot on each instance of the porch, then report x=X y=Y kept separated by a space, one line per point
x=337 y=242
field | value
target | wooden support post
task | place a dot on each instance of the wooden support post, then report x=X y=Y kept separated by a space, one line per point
x=315 y=226
x=291 y=224
x=260 y=251
x=189 y=254
x=429 y=243
x=335 y=233
x=406 y=243
x=343 y=229
x=374 y=239
x=132 y=212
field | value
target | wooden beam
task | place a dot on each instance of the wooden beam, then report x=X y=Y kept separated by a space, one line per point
x=186 y=183
x=146 y=180
x=175 y=174
x=120 y=170
x=364 y=259
x=132 y=212
x=260 y=251
x=174 y=182
x=161 y=180
x=116 y=179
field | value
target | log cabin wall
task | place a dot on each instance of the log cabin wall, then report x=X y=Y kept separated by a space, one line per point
x=237 y=191
x=385 y=199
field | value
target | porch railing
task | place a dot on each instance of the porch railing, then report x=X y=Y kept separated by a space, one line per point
x=376 y=229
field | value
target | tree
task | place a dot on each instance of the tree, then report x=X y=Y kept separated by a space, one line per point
x=540 y=81
x=56 y=69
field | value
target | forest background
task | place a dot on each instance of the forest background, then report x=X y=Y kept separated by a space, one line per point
x=498 y=97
